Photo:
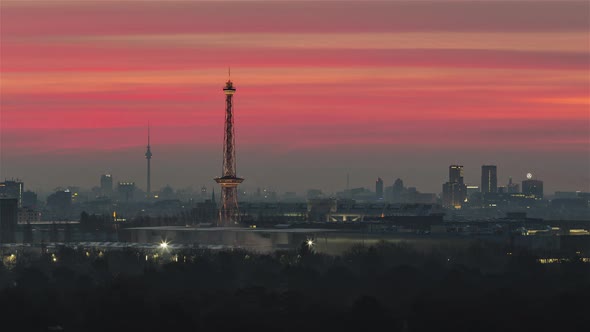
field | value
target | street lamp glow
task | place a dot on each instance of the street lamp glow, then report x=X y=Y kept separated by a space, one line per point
x=164 y=245
x=310 y=243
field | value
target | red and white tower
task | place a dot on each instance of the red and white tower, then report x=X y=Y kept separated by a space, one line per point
x=229 y=214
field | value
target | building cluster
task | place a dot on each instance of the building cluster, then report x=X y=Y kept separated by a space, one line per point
x=456 y=194
x=124 y=201
x=397 y=193
x=16 y=205
x=458 y=200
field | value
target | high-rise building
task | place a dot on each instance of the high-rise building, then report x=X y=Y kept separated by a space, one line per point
x=8 y=218
x=456 y=173
x=61 y=199
x=126 y=191
x=29 y=199
x=489 y=179
x=453 y=195
x=229 y=213
x=106 y=185
x=148 y=156
x=454 y=191
x=13 y=189
x=397 y=191
x=59 y=203
x=379 y=188
x=532 y=187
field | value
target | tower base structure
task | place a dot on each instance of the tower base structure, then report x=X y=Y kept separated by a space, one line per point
x=229 y=213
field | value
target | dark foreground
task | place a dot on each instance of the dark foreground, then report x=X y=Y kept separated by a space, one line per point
x=385 y=288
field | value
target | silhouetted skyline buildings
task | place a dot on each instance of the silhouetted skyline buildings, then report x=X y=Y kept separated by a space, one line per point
x=310 y=115
x=456 y=194
x=489 y=179
x=454 y=191
x=533 y=187
x=13 y=188
x=411 y=165
x=458 y=200
x=106 y=185
x=379 y=188
x=129 y=190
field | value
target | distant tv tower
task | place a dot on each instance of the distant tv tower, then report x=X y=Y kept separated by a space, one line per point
x=228 y=212
x=148 y=156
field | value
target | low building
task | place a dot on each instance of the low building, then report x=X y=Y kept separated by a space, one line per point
x=27 y=216
x=533 y=188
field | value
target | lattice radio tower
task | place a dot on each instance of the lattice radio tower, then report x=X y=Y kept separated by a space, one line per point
x=229 y=214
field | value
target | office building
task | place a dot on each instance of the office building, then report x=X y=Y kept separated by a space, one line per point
x=397 y=191
x=29 y=199
x=454 y=191
x=27 y=216
x=12 y=189
x=456 y=174
x=60 y=201
x=126 y=191
x=489 y=179
x=379 y=188
x=106 y=185
x=8 y=219
x=532 y=187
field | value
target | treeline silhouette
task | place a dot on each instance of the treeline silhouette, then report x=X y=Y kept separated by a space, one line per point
x=386 y=287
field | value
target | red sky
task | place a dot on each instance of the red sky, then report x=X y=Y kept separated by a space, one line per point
x=390 y=89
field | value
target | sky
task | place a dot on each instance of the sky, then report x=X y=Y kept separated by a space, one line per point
x=324 y=89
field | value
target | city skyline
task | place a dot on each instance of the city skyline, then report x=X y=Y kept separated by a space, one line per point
x=252 y=190
x=319 y=97
x=295 y=165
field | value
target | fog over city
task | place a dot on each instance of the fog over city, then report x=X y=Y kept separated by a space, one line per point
x=181 y=166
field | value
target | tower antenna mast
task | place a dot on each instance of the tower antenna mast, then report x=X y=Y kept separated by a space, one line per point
x=148 y=156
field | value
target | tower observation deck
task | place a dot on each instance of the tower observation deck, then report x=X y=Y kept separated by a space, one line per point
x=229 y=214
